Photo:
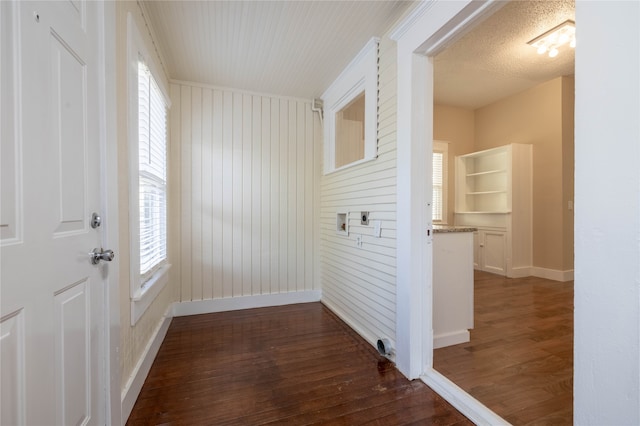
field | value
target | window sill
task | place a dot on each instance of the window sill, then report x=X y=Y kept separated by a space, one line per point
x=346 y=166
x=141 y=302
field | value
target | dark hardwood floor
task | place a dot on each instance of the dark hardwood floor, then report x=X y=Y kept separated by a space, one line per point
x=295 y=365
x=519 y=361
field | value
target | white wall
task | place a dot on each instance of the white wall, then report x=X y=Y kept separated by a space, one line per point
x=246 y=168
x=358 y=284
x=607 y=214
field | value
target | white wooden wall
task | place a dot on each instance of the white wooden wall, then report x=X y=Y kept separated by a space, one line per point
x=248 y=192
x=359 y=284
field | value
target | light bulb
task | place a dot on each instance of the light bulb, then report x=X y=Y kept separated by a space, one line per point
x=542 y=49
x=563 y=39
x=573 y=42
x=553 y=53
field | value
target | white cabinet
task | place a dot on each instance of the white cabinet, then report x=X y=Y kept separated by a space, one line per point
x=494 y=194
x=489 y=251
x=452 y=288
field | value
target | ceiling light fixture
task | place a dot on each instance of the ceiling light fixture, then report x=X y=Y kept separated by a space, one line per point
x=550 y=41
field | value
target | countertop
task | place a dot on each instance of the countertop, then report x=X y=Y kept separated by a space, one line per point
x=437 y=229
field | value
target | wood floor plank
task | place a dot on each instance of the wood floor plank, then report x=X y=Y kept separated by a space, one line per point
x=296 y=365
x=519 y=361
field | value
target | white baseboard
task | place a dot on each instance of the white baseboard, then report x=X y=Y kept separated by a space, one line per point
x=244 y=302
x=452 y=338
x=138 y=376
x=373 y=340
x=552 y=274
x=520 y=272
x=473 y=409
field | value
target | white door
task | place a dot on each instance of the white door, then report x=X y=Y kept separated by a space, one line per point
x=52 y=311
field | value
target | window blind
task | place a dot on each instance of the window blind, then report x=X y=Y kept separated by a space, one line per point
x=152 y=173
x=438 y=195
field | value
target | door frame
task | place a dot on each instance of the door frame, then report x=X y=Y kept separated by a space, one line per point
x=422 y=34
x=109 y=206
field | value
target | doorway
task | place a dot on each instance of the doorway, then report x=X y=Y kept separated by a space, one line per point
x=420 y=38
x=481 y=103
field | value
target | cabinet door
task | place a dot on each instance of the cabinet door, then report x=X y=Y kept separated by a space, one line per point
x=477 y=250
x=494 y=252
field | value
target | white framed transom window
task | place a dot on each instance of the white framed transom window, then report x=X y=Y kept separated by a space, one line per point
x=440 y=179
x=148 y=105
x=350 y=112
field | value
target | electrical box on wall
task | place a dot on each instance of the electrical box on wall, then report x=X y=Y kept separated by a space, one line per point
x=364 y=218
x=342 y=223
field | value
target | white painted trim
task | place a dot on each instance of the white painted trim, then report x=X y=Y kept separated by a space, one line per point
x=142 y=300
x=426 y=34
x=236 y=90
x=451 y=338
x=109 y=208
x=244 y=302
x=462 y=401
x=552 y=274
x=141 y=370
x=361 y=75
x=372 y=340
x=405 y=24
x=520 y=272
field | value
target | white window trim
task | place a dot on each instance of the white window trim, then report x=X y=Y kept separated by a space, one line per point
x=142 y=294
x=361 y=75
x=443 y=147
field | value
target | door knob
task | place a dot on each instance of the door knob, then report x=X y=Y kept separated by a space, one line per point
x=99 y=254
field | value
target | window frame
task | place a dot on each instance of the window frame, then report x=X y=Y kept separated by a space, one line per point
x=443 y=148
x=142 y=291
x=361 y=75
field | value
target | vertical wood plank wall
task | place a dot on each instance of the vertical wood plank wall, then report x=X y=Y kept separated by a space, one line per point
x=359 y=284
x=249 y=175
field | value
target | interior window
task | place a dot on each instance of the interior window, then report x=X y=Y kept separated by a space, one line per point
x=350 y=122
x=350 y=110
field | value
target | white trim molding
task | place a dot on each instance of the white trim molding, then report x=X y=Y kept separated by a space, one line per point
x=473 y=409
x=552 y=274
x=132 y=389
x=371 y=339
x=244 y=302
x=419 y=37
x=452 y=338
x=360 y=76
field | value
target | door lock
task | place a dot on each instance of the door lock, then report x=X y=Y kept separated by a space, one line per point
x=96 y=220
x=99 y=254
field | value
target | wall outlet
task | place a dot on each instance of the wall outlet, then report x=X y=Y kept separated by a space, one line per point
x=359 y=241
x=364 y=218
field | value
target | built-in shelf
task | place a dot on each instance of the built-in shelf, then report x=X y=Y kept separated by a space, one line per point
x=493 y=194
x=488 y=172
x=487 y=212
x=486 y=192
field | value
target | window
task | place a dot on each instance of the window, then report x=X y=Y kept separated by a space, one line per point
x=152 y=173
x=148 y=105
x=350 y=132
x=350 y=129
x=440 y=159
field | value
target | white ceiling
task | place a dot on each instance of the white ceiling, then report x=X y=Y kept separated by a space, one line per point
x=298 y=48
x=289 y=48
x=494 y=61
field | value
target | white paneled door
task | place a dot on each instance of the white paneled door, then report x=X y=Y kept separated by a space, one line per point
x=52 y=296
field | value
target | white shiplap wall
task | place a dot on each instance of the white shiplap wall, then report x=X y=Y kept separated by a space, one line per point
x=248 y=171
x=359 y=284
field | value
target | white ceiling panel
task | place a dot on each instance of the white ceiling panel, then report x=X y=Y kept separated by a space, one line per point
x=298 y=48
x=290 y=48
